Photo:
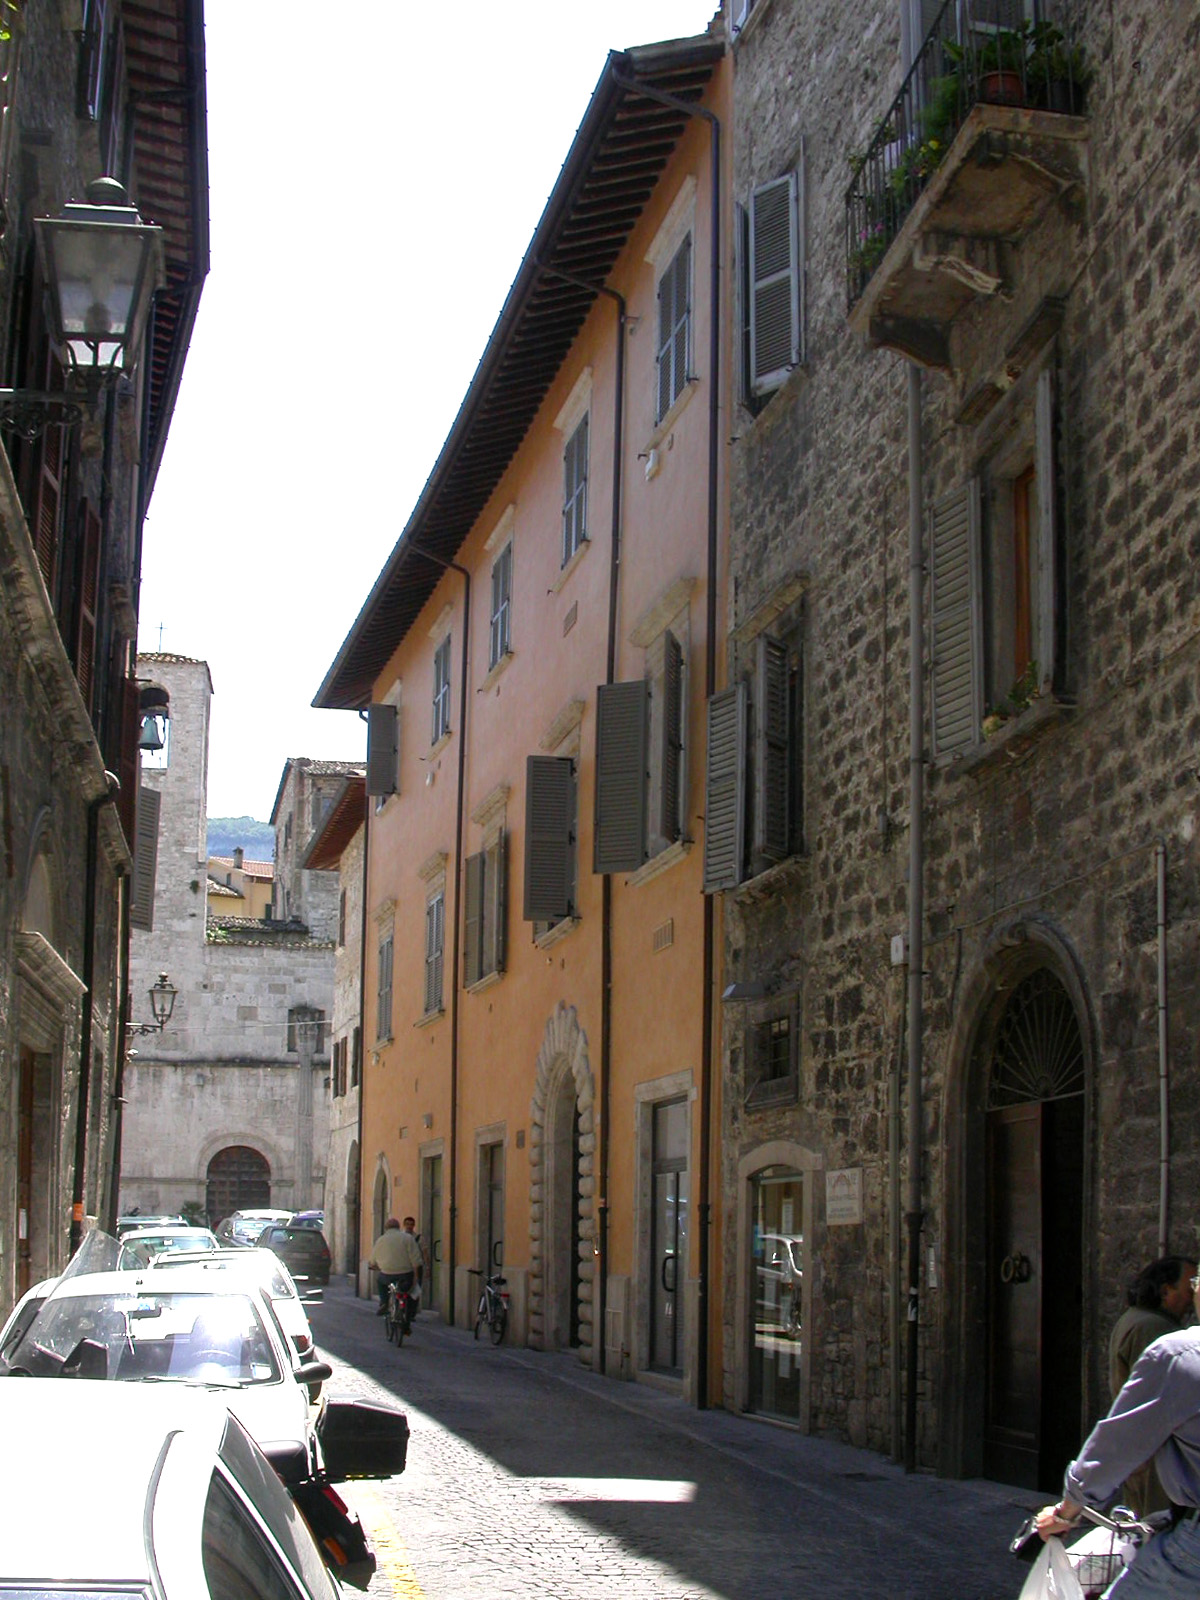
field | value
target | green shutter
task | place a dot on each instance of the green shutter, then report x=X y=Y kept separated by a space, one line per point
x=956 y=636
x=672 y=738
x=473 y=957
x=383 y=746
x=621 y=753
x=145 y=860
x=725 y=789
x=549 y=837
x=772 y=800
x=495 y=906
x=774 y=284
x=1047 y=535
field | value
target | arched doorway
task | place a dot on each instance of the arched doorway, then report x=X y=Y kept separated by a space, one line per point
x=562 y=1145
x=380 y=1201
x=238 y=1179
x=1024 y=1194
x=562 y=1215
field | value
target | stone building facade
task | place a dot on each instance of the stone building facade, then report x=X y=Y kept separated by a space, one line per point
x=1020 y=309
x=227 y=1106
x=307 y=791
x=84 y=91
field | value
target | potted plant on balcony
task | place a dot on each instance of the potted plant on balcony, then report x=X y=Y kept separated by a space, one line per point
x=1057 y=72
x=995 y=64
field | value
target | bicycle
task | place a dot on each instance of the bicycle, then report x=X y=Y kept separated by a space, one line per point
x=1094 y=1559
x=399 y=1318
x=493 y=1305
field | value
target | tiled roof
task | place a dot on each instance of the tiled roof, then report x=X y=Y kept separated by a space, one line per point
x=265 y=935
x=223 y=891
x=319 y=769
x=344 y=818
x=252 y=869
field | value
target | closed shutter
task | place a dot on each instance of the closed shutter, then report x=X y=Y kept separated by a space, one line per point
x=473 y=958
x=774 y=284
x=495 y=906
x=89 y=591
x=772 y=798
x=435 y=911
x=621 y=749
x=1047 y=535
x=47 y=502
x=672 y=738
x=383 y=748
x=955 y=616
x=725 y=789
x=145 y=860
x=549 y=837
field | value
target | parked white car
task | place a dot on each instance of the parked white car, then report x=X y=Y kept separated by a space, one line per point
x=264 y=1268
x=179 y=1500
x=147 y=1243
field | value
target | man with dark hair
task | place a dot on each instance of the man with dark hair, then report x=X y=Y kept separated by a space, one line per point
x=1159 y=1298
x=1155 y=1417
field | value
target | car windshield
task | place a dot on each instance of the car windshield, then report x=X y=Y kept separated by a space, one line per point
x=185 y=1337
x=143 y=1248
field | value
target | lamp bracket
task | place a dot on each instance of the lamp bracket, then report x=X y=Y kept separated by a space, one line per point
x=29 y=412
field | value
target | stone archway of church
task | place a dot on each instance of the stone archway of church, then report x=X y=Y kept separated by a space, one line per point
x=562 y=1215
x=1018 y=1112
x=238 y=1179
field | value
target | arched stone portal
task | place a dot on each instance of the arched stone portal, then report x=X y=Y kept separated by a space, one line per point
x=562 y=1141
x=238 y=1179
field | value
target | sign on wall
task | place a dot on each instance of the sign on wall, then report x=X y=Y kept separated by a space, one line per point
x=843 y=1196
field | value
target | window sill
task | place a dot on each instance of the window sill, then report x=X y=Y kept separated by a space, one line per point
x=662 y=862
x=430 y=1016
x=1012 y=739
x=438 y=745
x=495 y=672
x=486 y=982
x=383 y=1040
x=771 y=1092
x=581 y=550
x=663 y=428
x=767 y=883
x=557 y=933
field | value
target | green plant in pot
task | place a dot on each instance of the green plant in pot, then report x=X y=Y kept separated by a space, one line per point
x=996 y=63
x=1058 y=73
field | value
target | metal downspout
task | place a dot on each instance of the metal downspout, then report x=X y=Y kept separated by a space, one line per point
x=1164 y=1091
x=88 y=975
x=704 y=1202
x=118 y=1101
x=363 y=1210
x=916 y=898
x=455 y=956
x=610 y=668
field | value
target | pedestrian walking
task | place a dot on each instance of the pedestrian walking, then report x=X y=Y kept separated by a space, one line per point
x=395 y=1255
x=1159 y=1299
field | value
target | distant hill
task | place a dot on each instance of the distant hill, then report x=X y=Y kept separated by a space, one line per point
x=257 y=839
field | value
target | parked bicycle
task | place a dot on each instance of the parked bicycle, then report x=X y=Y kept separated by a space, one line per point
x=398 y=1320
x=492 y=1312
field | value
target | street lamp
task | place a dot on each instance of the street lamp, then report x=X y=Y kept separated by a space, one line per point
x=101 y=265
x=162 y=1004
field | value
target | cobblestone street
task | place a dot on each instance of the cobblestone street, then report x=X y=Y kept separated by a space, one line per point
x=528 y=1476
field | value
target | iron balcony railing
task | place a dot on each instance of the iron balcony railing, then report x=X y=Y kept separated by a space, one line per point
x=966 y=59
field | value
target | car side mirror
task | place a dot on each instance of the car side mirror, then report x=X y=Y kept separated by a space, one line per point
x=313 y=1372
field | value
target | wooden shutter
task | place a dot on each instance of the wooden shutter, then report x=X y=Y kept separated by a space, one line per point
x=435 y=911
x=622 y=717
x=473 y=957
x=549 y=837
x=1046 y=643
x=774 y=284
x=383 y=748
x=725 y=789
x=772 y=808
x=955 y=621
x=88 y=604
x=145 y=860
x=495 y=906
x=47 y=497
x=671 y=764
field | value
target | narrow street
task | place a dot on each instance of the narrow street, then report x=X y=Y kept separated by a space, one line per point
x=528 y=1476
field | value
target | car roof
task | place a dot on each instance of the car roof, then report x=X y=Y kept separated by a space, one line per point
x=262 y=1266
x=113 y=1436
x=168 y=1231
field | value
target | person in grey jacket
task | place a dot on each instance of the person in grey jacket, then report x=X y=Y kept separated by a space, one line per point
x=1159 y=1299
x=1155 y=1417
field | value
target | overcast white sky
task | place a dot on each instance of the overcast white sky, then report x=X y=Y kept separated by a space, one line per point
x=377 y=169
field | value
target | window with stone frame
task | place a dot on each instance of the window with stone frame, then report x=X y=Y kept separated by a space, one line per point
x=641 y=799
x=305 y=1024
x=772 y=1053
x=485 y=895
x=338 y=1085
x=674 y=346
x=435 y=950
x=770 y=249
x=551 y=822
x=754 y=774
x=575 y=490
x=500 y=626
x=994 y=582
x=355 y=1057
x=441 y=690
x=341 y=933
x=383 y=987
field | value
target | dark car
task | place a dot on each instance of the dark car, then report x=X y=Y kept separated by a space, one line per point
x=303 y=1251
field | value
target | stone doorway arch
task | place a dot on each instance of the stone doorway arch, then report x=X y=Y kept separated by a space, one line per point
x=562 y=1222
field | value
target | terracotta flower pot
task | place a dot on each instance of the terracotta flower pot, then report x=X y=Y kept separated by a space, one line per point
x=1003 y=87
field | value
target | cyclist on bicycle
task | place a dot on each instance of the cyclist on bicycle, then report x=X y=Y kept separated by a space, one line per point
x=395 y=1255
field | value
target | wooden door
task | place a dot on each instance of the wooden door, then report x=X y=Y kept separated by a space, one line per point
x=1014 y=1287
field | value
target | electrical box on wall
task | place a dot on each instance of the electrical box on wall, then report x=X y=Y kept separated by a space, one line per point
x=899 y=949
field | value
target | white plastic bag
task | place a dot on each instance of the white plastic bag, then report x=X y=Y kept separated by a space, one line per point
x=1052 y=1577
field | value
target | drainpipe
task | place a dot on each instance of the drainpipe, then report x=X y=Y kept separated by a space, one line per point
x=894 y=1232
x=1164 y=1099
x=916 y=897
x=118 y=1101
x=113 y=788
x=363 y=1210
x=704 y=1201
x=614 y=572
x=459 y=804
